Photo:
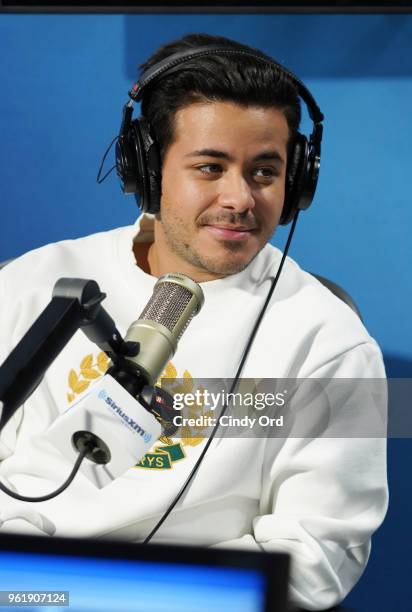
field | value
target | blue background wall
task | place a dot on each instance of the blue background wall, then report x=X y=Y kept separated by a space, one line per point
x=64 y=80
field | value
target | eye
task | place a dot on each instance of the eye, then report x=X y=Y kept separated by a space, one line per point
x=267 y=172
x=209 y=168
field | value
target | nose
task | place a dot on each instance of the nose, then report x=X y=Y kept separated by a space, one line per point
x=235 y=193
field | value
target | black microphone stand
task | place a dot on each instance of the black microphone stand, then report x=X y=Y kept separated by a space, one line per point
x=75 y=304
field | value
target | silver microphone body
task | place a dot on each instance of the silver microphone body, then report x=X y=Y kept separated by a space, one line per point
x=176 y=299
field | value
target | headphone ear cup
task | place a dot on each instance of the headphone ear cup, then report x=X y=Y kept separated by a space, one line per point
x=130 y=164
x=141 y=192
x=148 y=167
x=126 y=165
x=296 y=178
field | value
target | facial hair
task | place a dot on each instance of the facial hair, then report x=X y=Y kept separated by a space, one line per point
x=177 y=236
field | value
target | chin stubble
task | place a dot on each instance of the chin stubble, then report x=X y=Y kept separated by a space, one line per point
x=204 y=262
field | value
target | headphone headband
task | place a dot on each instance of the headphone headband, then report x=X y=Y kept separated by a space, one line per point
x=169 y=63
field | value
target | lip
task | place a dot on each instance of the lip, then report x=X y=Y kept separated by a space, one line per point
x=230 y=233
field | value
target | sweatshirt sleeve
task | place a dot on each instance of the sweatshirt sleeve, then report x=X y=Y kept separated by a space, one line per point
x=15 y=517
x=323 y=495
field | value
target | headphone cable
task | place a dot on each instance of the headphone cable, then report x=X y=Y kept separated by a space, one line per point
x=99 y=178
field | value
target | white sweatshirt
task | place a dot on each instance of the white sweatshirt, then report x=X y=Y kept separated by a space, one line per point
x=319 y=498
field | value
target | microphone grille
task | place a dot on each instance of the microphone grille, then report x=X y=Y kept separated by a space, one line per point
x=167 y=304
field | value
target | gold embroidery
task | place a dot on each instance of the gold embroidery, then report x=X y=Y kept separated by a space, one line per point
x=79 y=382
x=189 y=437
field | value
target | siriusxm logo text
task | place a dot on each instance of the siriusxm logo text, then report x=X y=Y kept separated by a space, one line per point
x=125 y=418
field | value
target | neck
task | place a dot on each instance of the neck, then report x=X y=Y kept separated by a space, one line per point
x=160 y=263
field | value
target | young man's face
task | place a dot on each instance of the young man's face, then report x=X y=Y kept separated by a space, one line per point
x=223 y=188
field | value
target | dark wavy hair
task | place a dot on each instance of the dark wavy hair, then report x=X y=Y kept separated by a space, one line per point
x=215 y=78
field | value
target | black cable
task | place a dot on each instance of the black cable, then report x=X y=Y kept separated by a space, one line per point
x=233 y=387
x=98 y=179
x=64 y=486
x=268 y=298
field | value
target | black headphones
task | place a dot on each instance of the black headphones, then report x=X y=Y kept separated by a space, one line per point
x=137 y=153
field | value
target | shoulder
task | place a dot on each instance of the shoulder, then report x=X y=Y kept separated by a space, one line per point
x=26 y=283
x=302 y=290
x=54 y=260
x=58 y=256
x=310 y=323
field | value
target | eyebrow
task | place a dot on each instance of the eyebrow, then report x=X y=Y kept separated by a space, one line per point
x=265 y=155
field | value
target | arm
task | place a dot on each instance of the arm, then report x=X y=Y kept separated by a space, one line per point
x=15 y=516
x=322 y=497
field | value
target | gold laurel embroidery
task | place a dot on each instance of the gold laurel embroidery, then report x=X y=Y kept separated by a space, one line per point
x=187 y=384
x=188 y=440
x=168 y=382
x=102 y=362
x=76 y=384
x=79 y=382
x=86 y=362
x=170 y=371
x=198 y=407
x=90 y=374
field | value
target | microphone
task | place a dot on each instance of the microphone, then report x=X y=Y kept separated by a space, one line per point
x=175 y=301
x=117 y=421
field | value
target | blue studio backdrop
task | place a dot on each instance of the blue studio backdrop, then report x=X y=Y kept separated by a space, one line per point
x=64 y=80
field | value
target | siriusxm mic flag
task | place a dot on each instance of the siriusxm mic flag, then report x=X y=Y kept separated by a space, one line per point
x=108 y=411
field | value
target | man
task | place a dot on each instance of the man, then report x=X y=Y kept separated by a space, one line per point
x=225 y=127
